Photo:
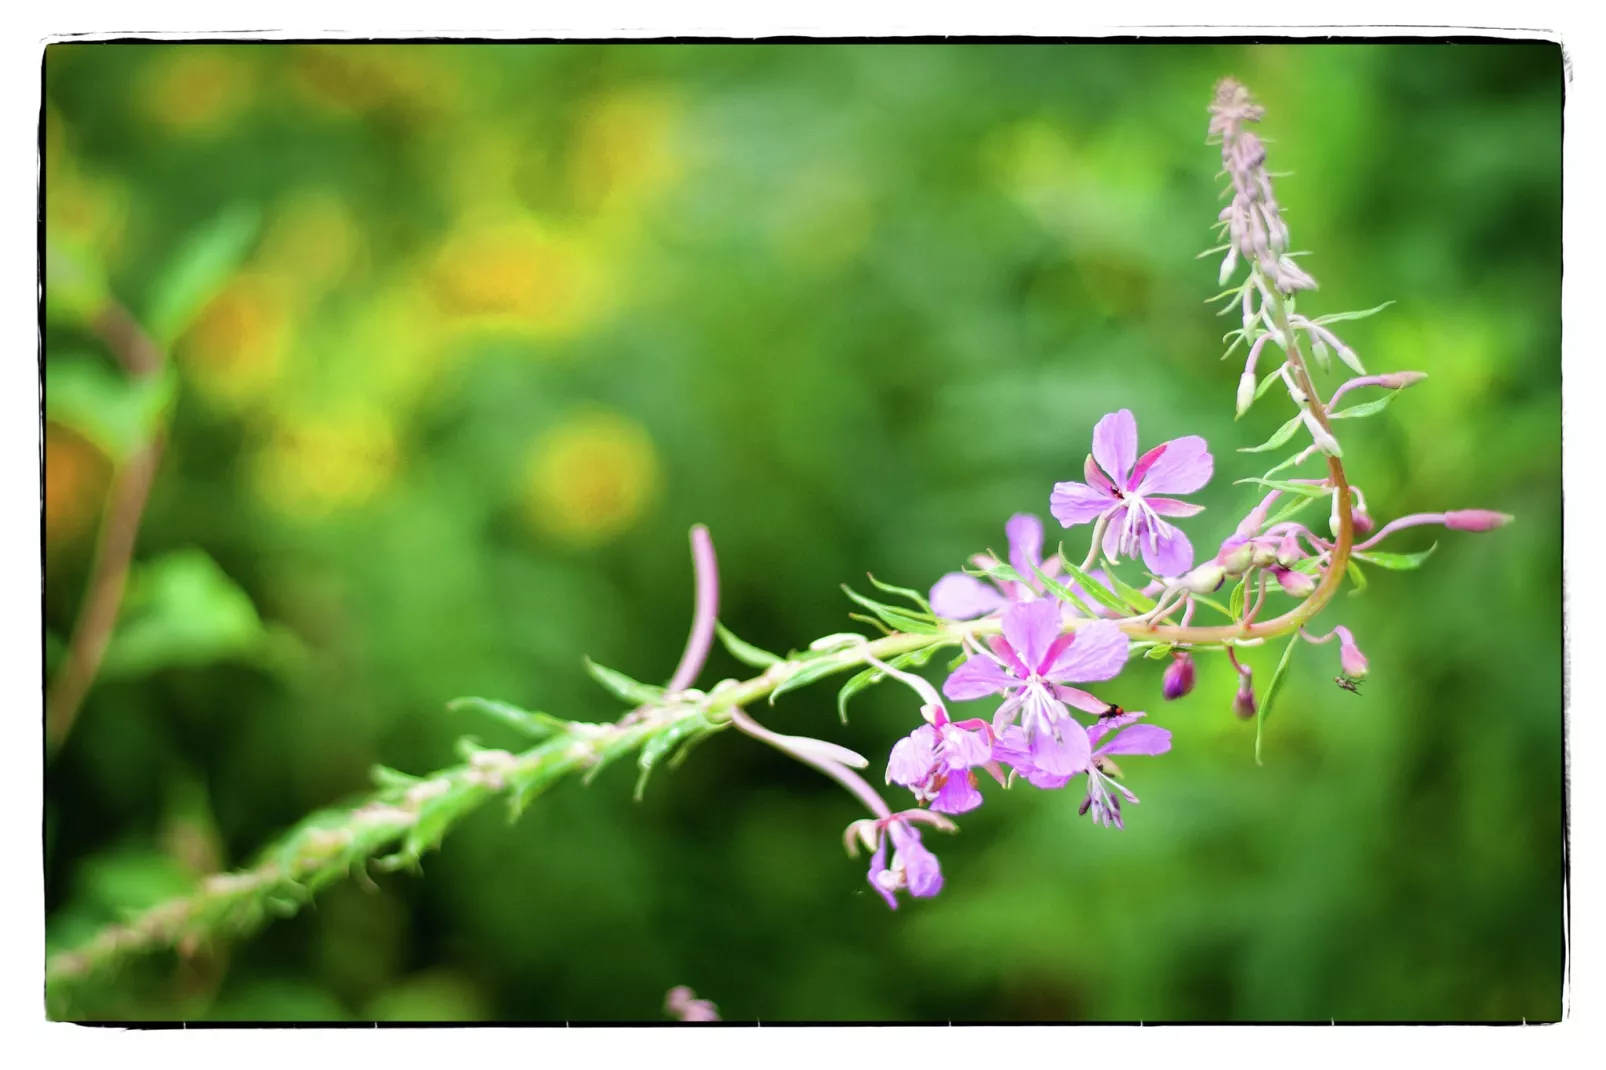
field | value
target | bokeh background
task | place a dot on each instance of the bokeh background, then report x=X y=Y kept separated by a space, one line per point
x=503 y=321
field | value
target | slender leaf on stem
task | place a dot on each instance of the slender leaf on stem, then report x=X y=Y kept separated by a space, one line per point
x=896 y=619
x=1282 y=435
x=1059 y=589
x=532 y=723
x=622 y=686
x=1339 y=317
x=1305 y=490
x=1271 y=691
x=1235 y=601
x=745 y=652
x=1095 y=590
x=914 y=596
x=1368 y=408
x=1395 y=562
x=200 y=269
x=1356 y=576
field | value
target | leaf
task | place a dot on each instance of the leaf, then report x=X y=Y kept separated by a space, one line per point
x=663 y=742
x=385 y=777
x=895 y=618
x=1133 y=597
x=1369 y=408
x=181 y=610
x=622 y=686
x=534 y=724
x=914 y=596
x=75 y=286
x=1271 y=691
x=1395 y=562
x=860 y=681
x=1282 y=435
x=116 y=412
x=1212 y=603
x=1235 y=602
x=1289 y=511
x=1159 y=651
x=199 y=271
x=806 y=675
x=1095 y=590
x=1271 y=377
x=1357 y=577
x=1304 y=490
x=744 y=652
x=1058 y=589
x=1340 y=317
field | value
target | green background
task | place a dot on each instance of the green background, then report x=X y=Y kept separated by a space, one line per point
x=515 y=316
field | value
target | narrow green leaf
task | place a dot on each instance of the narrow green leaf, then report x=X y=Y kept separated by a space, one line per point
x=1304 y=490
x=1395 y=562
x=1212 y=603
x=1370 y=408
x=895 y=618
x=200 y=269
x=1339 y=317
x=1271 y=692
x=1235 y=602
x=385 y=777
x=806 y=675
x=532 y=723
x=745 y=652
x=1131 y=595
x=1282 y=435
x=1059 y=590
x=1289 y=511
x=1159 y=651
x=1356 y=576
x=914 y=596
x=1095 y=590
x=622 y=686
x=1270 y=377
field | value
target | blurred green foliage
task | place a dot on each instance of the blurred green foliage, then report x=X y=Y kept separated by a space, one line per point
x=468 y=336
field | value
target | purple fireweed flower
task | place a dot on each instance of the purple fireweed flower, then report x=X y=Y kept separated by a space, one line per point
x=959 y=596
x=1101 y=769
x=1126 y=491
x=682 y=1003
x=1033 y=664
x=1179 y=676
x=935 y=762
x=913 y=868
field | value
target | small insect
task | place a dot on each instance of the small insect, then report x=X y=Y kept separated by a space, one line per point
x=1348 y=684
x=1112 y=711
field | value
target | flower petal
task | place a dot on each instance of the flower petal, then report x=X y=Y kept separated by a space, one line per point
x=1173 y=507
x=957 y=796
x=978 y=677
x=1099 y=653
x=912 y=757
x=960 y=597
x=1168 y=553
x=1031 y=628
x=919 y=865
x=1115 y=445
x=962 y=749
x=1139 y=739
x=1077 y=503
x=1184 y=465
x=878 y=866
x=1025 y=533
x=1065 y=756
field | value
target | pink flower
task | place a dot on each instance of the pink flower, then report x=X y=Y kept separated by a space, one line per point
x=1125 y=492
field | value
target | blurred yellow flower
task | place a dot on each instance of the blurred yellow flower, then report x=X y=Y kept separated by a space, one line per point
x=590 y=477
x=76 y=474
x=357 y=78
x=517 y=275
x=312 y=467
x=624 y=151
x=312 y=242
x=236 y=348
x=195 y=89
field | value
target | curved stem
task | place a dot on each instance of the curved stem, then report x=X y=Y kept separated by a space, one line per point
x=705 y=614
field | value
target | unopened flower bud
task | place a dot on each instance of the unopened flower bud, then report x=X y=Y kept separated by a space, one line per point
x=1350 y=658
x=1323 y=438
x=1246 y=392
x=1288 y=550
x=1360 y=519
x=1263 y=553
x=1204 y=578
x=1235 y=560
x=1401 y=380
x=1178 y=677
x=1476 y=520
x=1243 y=703
x=1297 y=584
